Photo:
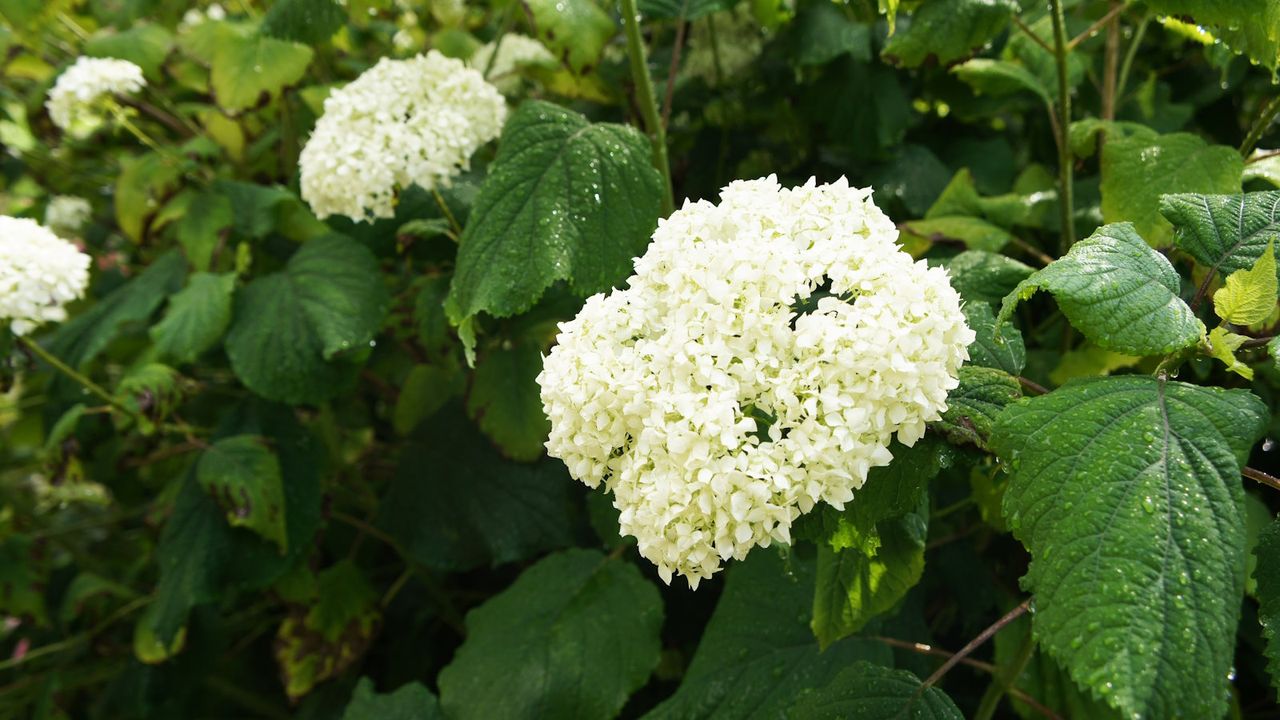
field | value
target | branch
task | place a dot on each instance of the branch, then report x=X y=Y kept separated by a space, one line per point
x=1066 y=190
x=1075 y=41
x=977 y=642
x=1256 y=475
x=681 y=27
x=1260 y=126
x=1033 y=386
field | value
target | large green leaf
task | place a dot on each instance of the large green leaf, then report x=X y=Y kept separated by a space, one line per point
x=565 y=200
x=243 y=476
x=1117 y=291
x=1137 y=169
x=292 y=327
x=973 y=406
x=572 y=637
x=1001 y=77
x=144 y=45
x=455 y=504
x=575 y=30
x=144 y=183
x=81 y=340
x=321 y=639
x=410 y=701
x=1225 y=233
x=866 y=691
x=985 y=277
x=821 y=33
x=758 y=654
x=1248 y=297
x=246 y=66
x=197 y=317
x=1126 y=490
x=1248 y=26
x=1267 y=574
x=943 y=31
x=505 y=402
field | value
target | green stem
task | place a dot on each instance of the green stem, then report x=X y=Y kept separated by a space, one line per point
x=1260 y=126
x=67 y=370
x=648 y=102
x=1004 y=681
x=1065 y=191
x=1129 y=56
x=448 y=214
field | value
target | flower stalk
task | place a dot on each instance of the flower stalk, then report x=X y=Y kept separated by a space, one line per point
x=648 y=101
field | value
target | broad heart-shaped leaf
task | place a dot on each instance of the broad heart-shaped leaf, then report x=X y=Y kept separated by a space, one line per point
x=575 y=30
x=985 y=277
x=1225 y=233
x=291 y=326
x=144 y=45
x=572 y=637
x=243 y=475
x=865 y=691
x=1249 y=296
x=943 y=31
x=410 y=701
x=81 y=340
x=197 y=317
x=565 y=200
x=248 y=68
x=1248 y=26
x=304 y=21
x=505 y=402
x=758 y=655
x=1117 y=291
x=320 y=640
x=1267 y=574
x=1137 y=169
x=455 y=504
x=1126 y=490
x=973 y=406
x=202 y=558
x=1006 y=352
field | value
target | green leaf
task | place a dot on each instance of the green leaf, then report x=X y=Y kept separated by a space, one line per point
x=961 y=198
x=82 y=339
x=1043 y=679
x=574 y=30
x=1126 y=491
x=143 y=184
x=1257 y=517
x=305 y=21
x=972 y=408
x=757 y=655
x=573 y=636
x=428 y=315
x=320 y=641
x=1138 y=169
x=1223 y=346
x=1249 y=296
x=1006 y=352
x=1225 y=233
x=203 y=227
x=865 y=691
x=243 y=475
x=455 y=504
x=505 y=401
x=197 y=317
x=247 y=68
x=821 y=33
x=1267 y=575
x=985 y=277
x=329 y=299
x=144 y=45
x=258 y=210
x=150 y=391
x=943 y=31
x=410 y=701
x=1263 y=165
x=426 y=389
x=1273 y=349
x=1088 y=362
x=1249 y=26
x=975 y=233
x=565 y=200
x=1117 y=291
x=671 y=9
x=1000 y=77
x=21 y=585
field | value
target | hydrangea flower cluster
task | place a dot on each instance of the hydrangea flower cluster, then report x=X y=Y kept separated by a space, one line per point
x=77 y=99
x=67 y=214
x=402 y=122
x=763 y=356
x=515 y=52
x=39 y=274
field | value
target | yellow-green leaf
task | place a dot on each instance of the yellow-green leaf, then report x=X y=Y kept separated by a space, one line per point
x=1249 y=295
x=1223 y=346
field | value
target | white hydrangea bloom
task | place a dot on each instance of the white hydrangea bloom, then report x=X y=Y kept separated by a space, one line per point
x=515 y=52
x=76 y=100
x=67 y=214
x=39 y=274
x=196 y=16
x=401 y=122
x=654 y=390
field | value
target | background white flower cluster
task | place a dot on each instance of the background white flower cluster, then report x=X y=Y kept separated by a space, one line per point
x=717 y=413
x=77 y=100
x=401 y=122
x=39 y=274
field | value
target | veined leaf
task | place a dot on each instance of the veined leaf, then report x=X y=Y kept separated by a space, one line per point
x=243 y=476
x=197 y=317
x=1117 y=291
x=973 y=406
x=410 y=701
x=864 y=691
x=1225 y=233
x=1126 y=490
x=1004 y=350
x=944 y=31
x=1249 y=296
x=1249 y=26
x=1223 y=346
x=504 y=401
x=1267 y=575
